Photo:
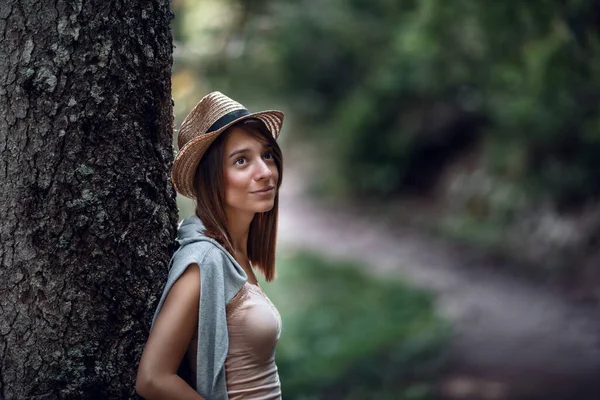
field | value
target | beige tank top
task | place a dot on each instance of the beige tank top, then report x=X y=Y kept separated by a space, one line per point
x=254 y=327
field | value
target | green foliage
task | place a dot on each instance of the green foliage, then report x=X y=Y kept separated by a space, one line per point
x=361 y=75
x=349 y=336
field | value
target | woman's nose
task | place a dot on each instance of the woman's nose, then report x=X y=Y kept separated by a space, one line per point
x=263 y=171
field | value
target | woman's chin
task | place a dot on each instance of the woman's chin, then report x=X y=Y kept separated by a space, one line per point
x=263 y=208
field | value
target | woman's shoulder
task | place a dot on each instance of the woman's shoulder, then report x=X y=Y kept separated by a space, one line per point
x=212 y=259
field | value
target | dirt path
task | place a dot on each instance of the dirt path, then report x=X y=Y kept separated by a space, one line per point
x=513 y=340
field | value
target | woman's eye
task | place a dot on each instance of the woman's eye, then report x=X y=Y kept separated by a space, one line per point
x=268 y=155
x=240 y=161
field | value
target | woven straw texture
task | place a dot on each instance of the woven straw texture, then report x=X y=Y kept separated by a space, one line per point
x=193 y=140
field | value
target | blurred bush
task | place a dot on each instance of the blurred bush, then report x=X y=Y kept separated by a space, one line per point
x=350 y=336
x=491 y=106
x=390 y=89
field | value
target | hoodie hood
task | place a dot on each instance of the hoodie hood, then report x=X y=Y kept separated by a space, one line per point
x=191 y=230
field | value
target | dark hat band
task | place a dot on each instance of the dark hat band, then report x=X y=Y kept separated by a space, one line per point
x=227 y=118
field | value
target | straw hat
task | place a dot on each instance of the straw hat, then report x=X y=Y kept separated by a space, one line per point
x=209 y=118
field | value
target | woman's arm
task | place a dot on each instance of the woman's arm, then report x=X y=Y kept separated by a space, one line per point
x=169 y=339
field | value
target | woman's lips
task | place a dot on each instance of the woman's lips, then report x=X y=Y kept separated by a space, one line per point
x=264 y=191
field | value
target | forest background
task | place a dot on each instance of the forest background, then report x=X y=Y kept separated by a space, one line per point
x=477 y=122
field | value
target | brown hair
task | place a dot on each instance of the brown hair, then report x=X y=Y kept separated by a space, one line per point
x=209 y=185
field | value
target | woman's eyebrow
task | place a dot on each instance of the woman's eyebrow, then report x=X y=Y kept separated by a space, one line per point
x=236 y=152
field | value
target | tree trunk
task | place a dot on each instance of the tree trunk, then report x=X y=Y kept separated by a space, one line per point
x=87 y=209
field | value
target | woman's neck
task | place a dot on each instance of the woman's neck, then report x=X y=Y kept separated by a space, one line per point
x=238 y=225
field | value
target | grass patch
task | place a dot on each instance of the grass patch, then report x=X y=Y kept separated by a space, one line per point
x=483 y=234
x=349 y=336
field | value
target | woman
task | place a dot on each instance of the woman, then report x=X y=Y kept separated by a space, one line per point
x=214 y=332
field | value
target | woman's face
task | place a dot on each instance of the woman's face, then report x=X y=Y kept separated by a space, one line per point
x=250 y=173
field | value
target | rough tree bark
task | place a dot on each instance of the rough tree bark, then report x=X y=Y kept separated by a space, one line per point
x=87 y=209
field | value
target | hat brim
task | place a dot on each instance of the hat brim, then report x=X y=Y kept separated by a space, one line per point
x=189 y=156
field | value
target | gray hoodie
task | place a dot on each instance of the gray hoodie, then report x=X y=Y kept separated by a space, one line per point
x=221 y=277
